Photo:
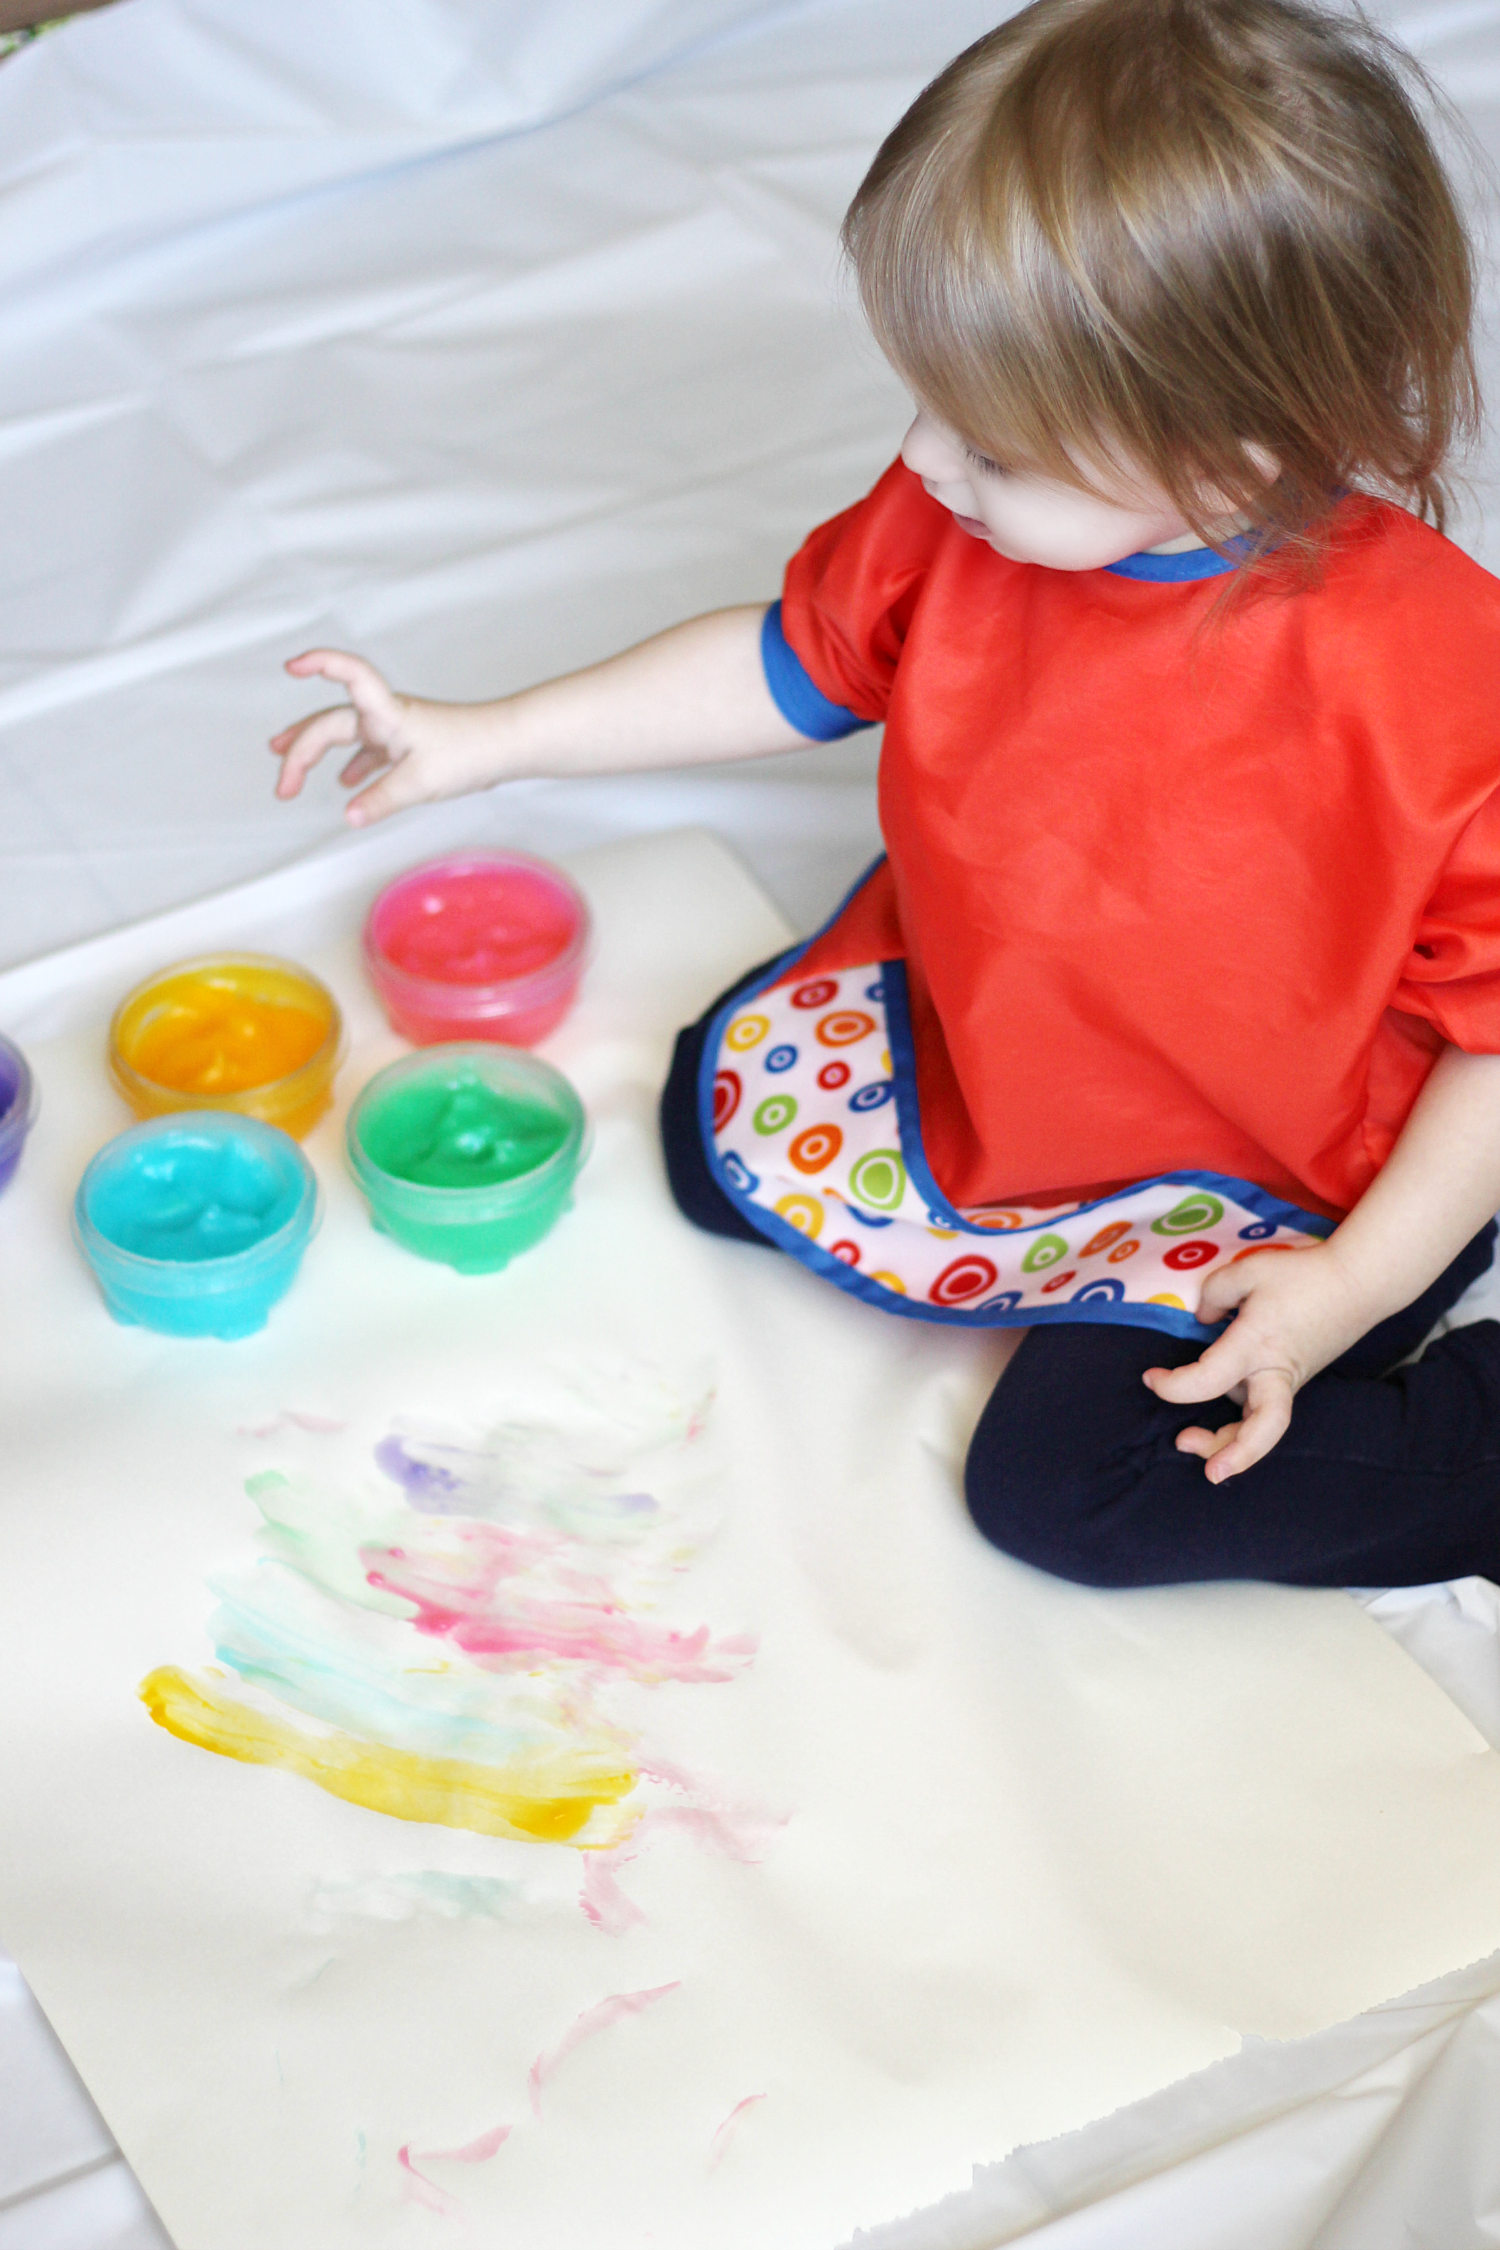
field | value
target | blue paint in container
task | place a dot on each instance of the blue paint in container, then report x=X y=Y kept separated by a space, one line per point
x=18 y=1107
x=195 y=1224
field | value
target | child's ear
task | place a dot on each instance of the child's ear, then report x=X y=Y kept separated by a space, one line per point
x=1263 y=461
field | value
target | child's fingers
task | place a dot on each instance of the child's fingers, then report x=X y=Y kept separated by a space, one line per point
x=1206 y=1443
x=300 y=747
x=339 y=723
x=1226 y=1288
x=1268 y=1411
x=366 y=688
x=367 y=759
x=1212 y=1376
x=338 y=664
x=399 y=786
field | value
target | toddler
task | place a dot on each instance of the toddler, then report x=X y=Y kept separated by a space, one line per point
x=1167 y=1033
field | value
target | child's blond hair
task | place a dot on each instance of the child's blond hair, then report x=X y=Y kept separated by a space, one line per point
x=1163 y=232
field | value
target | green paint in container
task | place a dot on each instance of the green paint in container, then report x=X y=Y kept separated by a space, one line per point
x=467 y=1154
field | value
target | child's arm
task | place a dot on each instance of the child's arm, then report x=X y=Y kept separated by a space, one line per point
x=691 y=696
x=1299 y=1311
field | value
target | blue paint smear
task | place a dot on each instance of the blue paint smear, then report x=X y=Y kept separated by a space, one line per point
x=351 y=1688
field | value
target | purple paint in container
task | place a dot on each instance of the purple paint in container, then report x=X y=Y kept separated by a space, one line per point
x=18 y=1107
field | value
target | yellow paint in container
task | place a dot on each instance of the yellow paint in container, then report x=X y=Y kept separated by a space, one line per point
x=235 y=1031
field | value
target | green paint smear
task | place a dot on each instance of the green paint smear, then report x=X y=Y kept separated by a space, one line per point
x=459 y=1133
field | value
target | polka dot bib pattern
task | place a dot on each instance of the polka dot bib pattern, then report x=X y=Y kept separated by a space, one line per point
x=811 y=1122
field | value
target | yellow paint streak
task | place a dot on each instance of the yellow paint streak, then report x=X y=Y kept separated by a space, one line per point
x=546 y=1798
x=211 y=1035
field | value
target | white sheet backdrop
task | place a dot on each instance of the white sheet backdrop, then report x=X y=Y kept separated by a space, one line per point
x=481 y=336
x=490 y=339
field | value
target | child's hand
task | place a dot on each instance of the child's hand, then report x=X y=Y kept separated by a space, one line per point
x=1298 y=1309
x=419 y=750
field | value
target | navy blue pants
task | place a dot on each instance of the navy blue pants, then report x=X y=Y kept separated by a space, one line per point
x=1388 y=1475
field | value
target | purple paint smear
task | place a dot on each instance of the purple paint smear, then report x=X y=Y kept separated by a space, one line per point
x=592 y=2021
x=728 y=2129
x=427 y=1484
x=440 y=1478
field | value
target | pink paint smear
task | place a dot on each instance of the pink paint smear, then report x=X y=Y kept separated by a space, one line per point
x=457 y=1598
x=421 y=2190
x=732 y=1831
x=738 y=1831
x=318 y=1424
x=729 y=2128
x=606 y=1905
x=589 y=2024
x=427 y=2192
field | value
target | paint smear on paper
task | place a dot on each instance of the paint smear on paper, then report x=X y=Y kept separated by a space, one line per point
x=473 y=2152
x=600 y=2017
x=427 y=1892
x=549 y=1802
x=318 y=1425
x=467 y=1628
x=457 y=1596
x=422 y=2190
x=427 y=2192
x=733 y=1833
x=729 y=2128
x=737 y=1835
x=345 y=1666
x=606 y=1424
x=603 y=1901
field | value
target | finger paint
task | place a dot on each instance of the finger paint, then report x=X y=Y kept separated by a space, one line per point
x=240 y=1032
x=195 y=1225
x=480 y=945
x=467 y=1154
x=18 y=1107
x=546 y=1798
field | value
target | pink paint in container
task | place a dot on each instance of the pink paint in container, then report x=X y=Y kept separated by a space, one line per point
x=478 y=945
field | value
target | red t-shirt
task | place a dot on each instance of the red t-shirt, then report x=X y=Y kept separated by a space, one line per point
x=1176 y=892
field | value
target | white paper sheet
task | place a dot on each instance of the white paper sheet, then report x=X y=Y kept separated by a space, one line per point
x=1010 y=1853
x=193 y=316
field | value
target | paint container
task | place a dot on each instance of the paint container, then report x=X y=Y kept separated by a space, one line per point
x=195 y=1224
x=18 y=1107
x=467 y=1154
x=480 y=945
x=229 y=1031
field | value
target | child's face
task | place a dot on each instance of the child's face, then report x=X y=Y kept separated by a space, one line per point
x=1035 y=519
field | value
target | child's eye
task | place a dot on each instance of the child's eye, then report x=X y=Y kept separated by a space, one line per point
x=982 y=461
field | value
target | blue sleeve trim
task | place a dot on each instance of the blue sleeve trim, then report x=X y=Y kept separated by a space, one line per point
x=796 y=696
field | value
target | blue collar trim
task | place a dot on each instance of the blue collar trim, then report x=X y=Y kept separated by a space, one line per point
x=1195 y=562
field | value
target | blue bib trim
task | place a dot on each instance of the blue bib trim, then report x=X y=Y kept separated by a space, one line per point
x=1097 y=1300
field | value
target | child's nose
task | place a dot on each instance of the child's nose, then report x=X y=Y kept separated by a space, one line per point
x=927 y=452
